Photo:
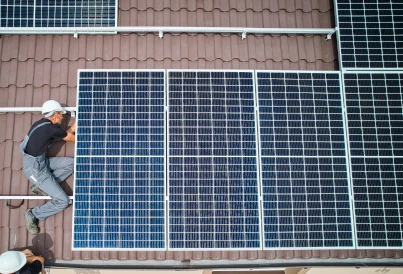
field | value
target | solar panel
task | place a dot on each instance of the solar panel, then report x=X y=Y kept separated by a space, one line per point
x=212 y=155
x=371 y=33
x=375 y=123
x=119 y=198
x=17 y=13
x=58 y=13
x=305 y=185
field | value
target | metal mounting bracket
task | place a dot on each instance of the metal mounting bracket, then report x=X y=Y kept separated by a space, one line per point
x=244 y=35
x=75 y=35
x=160 y=34
x=329 y=36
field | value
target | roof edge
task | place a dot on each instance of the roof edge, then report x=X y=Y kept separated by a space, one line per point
x=222 y=264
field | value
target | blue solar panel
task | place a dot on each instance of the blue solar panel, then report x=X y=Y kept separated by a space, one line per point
x=213 y=186
x=303 y=161
x=119 y=198
x=371 y=33
x=58 y=13
x=375 y=123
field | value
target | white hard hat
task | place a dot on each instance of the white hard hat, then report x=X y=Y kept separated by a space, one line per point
x=50 y=107
x=12 y=261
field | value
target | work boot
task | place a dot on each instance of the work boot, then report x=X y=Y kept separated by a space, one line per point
x=37 y=190
x=31 y=222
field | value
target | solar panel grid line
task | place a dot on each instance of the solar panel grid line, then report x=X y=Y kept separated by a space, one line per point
x=288 y=87
x=204 y=109
x=116 y=227
x=376 y=171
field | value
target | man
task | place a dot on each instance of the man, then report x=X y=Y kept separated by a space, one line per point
x=21 y=262
x=46 y=174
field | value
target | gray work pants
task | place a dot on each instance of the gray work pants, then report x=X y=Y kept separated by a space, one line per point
x=47 y=174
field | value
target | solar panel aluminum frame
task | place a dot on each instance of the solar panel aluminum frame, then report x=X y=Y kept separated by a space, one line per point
x=348 y=155
x=338 y=42
x=364 y=71
x=165 y=163
x=347 y=158
x=257 y=160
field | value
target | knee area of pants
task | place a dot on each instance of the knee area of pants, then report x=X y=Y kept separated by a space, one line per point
x=62 y=203
x=70 y=163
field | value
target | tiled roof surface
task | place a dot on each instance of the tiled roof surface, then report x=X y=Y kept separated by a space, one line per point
x=34 y=69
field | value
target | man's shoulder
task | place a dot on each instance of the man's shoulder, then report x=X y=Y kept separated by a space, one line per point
x=34 y=267
x=41 y=121
x=48 y=126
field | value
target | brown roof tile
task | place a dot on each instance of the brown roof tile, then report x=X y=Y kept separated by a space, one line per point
x=43 y=47
x=6 y=149
x=5 y=96
x=289 y=5
x=5 y=73
x=60 y=48
x=223 y=14
x=14 y=154
x=293 y=49
x=27 y=47
x=5 y=175
x=325 y=5
x=3 y=122
x=274 y=5
x=9 y=50
x=306 y=5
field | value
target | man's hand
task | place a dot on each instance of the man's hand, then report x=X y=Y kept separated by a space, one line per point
x=70 y=134
x=72 y=129
x=27 y=252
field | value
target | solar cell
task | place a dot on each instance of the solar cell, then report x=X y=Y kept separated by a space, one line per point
x=371 y=33
x=212 y=155
x=119 y=199
x=375 y=121
x=58 y=13
x=303 y=161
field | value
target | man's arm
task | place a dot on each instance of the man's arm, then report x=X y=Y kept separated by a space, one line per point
x=70 y=134
x=31 y=259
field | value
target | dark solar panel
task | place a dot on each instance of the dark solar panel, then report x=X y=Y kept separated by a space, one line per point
x=119 y=200
x=303 y=161
x=17 y=13
x=213 y=185
x=371 y=33
x=58 y=13
x=375 y=124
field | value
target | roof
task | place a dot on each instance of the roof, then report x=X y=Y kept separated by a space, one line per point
x=36 y=68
